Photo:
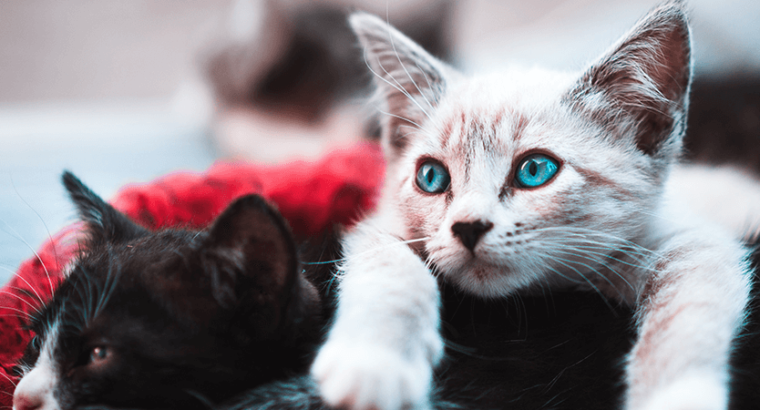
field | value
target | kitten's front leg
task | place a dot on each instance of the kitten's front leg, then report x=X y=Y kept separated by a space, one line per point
x=688 y=313
x=384 y=342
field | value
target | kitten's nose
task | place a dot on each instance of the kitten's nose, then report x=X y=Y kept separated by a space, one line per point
x=35 y=390
x=24 y=402
x=471 y=232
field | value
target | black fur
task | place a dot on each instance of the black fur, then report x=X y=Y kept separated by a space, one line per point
x=188 y=318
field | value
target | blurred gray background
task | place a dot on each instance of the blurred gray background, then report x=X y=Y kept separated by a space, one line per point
x=87 y=85
x=101 y=87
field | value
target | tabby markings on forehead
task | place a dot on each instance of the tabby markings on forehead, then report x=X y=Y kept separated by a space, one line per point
x=598 y=179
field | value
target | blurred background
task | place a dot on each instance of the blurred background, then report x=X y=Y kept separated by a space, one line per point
x=124 y=91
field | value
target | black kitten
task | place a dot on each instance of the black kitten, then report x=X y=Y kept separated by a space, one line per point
x=171 y=319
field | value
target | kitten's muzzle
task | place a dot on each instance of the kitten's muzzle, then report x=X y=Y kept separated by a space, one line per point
x=471 y=232
x=35 y=391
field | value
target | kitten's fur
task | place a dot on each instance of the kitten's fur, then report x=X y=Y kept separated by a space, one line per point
x=171 y=319
x=603 y=223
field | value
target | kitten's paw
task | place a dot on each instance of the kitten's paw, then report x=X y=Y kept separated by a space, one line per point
x=371 y=378
x=693 y=392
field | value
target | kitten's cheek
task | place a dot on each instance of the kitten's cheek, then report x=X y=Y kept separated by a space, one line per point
x=447 y=257
x=35 y=390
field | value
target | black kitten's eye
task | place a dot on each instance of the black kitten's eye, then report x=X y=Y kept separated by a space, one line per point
x=36 y=343
x=99 y=355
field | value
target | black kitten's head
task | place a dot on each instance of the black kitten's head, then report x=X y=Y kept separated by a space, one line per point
x=170 y=318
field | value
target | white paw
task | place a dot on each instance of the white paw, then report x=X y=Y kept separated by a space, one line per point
x=697 y=391
x=370 y=377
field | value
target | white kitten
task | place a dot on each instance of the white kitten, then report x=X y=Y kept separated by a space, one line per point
x=533 y=178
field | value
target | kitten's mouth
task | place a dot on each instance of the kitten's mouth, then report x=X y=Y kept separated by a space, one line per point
x=482 y=273
x=482 y=270
x=485 y=279
x=477 y=273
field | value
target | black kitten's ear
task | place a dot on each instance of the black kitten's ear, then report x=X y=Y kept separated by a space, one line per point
x=409 y=79
x=252 y=258
x=642 y=85
x=104 y=222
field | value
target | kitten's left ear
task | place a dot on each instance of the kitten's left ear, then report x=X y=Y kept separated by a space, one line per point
x=409 y=79
x=103 y=222
x=252 y=259
x=642 y=86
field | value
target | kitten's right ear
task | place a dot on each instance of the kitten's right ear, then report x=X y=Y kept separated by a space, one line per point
x=252 y=259
x=410 y=80
x=104 y=223
x=641 y=87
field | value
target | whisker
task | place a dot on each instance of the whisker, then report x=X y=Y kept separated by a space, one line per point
x=35 y=308
x=432 y=269
x=546 y=301
x=585 y=232
x=18 y=236
x=593 y=270
x=83 y=309
x=109 y=289
x=583 y=240
x=517 y=298
x=604 y=297
x=398 y=88
x=427 y=79
x=16 y=316
x=586 y=250
x=369 y=251
x=398 y=57
x=50 y=237
x=400 y=117
x=338 y=273
x=412 y=130
x=581 y=255
x=334 y=277
x=8 y=378
x=26 y=314
x=560 y=260
x=405 y=92
x=563 y=276
x=33 y=290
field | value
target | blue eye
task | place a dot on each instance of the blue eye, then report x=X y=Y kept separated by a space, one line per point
x=536 y=170
x=432 y=177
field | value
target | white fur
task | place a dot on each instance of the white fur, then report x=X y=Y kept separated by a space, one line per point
x=35 y=390
x=389 y=365
x=607 y=222
x=697 y=391
x=703 y=299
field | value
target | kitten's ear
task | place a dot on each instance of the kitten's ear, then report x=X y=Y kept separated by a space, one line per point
x=642 y=86
x=410 y=80
x=251 y=257
x=103 y=222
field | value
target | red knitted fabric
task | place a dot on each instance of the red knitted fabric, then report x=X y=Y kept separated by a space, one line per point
x=311 y=196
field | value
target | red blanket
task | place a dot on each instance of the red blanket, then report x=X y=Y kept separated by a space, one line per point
x=311 y=196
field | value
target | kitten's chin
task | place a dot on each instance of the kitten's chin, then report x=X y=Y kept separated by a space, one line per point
x=487 y=280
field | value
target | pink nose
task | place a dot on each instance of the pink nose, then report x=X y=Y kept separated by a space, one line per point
x=24 y=402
